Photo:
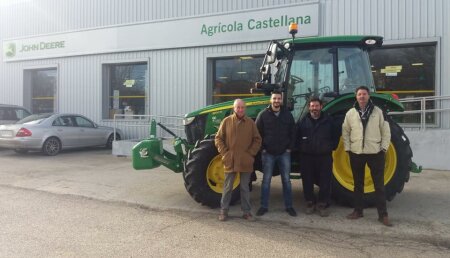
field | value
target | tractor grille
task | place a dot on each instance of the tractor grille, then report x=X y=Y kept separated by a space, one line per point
x=196 y=130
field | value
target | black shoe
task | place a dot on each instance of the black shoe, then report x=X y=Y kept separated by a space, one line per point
x=261 y=211
x=291 y=212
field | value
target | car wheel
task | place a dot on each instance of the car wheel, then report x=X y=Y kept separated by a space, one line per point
x=51 y=147
x=110 y=140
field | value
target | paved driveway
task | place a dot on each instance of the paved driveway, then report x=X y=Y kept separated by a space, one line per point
x=419 y=213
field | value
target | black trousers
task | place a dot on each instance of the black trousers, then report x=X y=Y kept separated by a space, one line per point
x=316 y=169
x=376 y=164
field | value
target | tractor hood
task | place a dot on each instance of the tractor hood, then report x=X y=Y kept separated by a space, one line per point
x=228 y=105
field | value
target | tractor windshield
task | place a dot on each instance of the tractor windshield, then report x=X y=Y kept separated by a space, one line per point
x=312 y=72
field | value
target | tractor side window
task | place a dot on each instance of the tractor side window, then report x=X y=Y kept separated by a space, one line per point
x=353 y=70
x=311 y=74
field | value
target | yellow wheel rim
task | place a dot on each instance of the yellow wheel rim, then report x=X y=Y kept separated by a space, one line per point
x=215 y=175
x=343 y=172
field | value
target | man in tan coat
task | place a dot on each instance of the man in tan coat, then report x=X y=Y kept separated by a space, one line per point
x=366 y=135
x=238 y=141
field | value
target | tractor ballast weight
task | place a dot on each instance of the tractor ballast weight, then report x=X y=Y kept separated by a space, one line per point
x=328 y=67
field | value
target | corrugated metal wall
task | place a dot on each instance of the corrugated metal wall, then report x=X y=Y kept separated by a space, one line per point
x=27 y=18
x=396 y=21
x=178 y=78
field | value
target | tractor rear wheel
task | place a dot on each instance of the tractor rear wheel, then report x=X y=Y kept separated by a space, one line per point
x=396 y=170
x=204 y=175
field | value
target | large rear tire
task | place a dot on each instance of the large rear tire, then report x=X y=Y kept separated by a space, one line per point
x=204 y=175
x=396 y=171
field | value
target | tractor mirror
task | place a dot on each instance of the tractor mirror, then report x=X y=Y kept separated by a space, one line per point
x=272 y=53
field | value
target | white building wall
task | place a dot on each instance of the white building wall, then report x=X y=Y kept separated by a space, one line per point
x=178 y=77
x=397 y=21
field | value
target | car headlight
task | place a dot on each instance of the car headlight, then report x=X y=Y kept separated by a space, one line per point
x=188 y=120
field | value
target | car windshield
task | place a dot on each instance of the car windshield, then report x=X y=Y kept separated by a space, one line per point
x=34 y=119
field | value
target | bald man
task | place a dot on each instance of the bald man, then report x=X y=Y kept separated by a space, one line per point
x=238 y=141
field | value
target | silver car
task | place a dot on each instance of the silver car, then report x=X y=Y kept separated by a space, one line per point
x=11 y=113
x=51 y=133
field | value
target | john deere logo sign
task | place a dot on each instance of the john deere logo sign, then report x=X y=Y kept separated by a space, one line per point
x=10 y=49
x=18 y=49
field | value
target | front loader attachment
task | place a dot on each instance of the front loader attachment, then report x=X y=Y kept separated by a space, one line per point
x=149 y=153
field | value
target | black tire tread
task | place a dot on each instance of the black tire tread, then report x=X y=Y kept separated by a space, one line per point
x=195 y=175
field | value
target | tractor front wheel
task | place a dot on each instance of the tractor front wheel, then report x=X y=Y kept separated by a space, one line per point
x=204 y=175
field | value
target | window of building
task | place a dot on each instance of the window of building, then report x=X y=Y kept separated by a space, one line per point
x=40 y=90
x=408 y=71
x=125 y=89
x=233 y=77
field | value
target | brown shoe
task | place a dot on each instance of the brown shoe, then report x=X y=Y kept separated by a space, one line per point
x=248 y=217
x=355 y=215
x=385 y=221
x=223 y=216
x=323 y=210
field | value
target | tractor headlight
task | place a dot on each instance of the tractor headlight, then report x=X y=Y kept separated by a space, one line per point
x=188 y=120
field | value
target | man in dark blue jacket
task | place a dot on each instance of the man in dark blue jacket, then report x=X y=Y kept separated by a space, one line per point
x=276 y=126
x=316 y=139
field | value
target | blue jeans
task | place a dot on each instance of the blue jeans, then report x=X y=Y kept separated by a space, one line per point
x=284 y=164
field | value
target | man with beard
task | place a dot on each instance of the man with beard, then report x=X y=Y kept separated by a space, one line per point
x=366 y=135
x=276 y=126
x=316 y=140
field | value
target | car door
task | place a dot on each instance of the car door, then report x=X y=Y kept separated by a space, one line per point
x=67 y=131
x=89 y=133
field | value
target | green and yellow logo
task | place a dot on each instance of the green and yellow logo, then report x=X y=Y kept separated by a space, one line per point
x=10 y=50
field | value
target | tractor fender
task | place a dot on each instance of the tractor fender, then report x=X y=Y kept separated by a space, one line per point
x=343 y=103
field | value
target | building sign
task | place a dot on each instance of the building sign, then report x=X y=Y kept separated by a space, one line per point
x=234 y=27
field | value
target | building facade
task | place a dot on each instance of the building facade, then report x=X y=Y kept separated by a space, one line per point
x=105 y=57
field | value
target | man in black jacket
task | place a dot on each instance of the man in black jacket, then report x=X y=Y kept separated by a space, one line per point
x=316 y=139
x=276 y=126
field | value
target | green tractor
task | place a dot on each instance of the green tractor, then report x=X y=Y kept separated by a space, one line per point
x=328 y=67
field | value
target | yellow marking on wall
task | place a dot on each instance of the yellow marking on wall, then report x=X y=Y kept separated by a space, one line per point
x=238 y=95
x=43 y=98
x=405 y=91
x=128 y=97
x=254 y=103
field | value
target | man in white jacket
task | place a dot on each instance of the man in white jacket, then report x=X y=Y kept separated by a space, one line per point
x=366 y=136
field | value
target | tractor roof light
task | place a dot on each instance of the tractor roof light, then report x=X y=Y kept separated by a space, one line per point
x=370 y=41
x=293 y=29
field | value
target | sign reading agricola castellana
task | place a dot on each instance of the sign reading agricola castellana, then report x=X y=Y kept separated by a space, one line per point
x=236 y=27
x=254 y=24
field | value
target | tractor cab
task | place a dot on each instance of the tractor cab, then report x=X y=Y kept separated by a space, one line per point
x=326 y=67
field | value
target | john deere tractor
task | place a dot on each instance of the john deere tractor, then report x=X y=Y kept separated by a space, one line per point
x=328 y=67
